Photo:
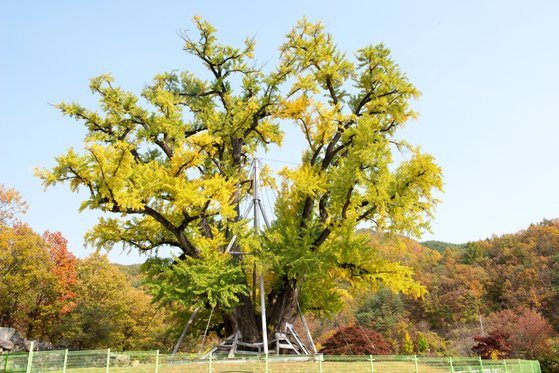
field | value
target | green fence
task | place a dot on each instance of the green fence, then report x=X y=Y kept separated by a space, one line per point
x=104 y=361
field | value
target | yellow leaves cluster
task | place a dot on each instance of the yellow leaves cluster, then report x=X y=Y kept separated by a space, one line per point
x=304 y=181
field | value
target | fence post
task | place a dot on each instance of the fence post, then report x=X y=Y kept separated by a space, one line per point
x=505 y=365
x=320 y=359
x=450 y=363
x=415 y=361
x=210 y=362
x=480 y=364
x=30 y=357
x=65 y=361
x=519 y=366
x=108 y=360
x=6 y=362
x=156 y=361
x=266 y=367
x=371 y=363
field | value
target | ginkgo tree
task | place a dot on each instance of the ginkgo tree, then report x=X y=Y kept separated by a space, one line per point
x=170 y=169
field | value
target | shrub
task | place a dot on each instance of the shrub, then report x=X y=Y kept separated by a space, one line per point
x=494 y=346
x=355 y=340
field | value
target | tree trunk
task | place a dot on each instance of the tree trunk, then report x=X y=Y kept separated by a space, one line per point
x=283 y=308
x=244 y=319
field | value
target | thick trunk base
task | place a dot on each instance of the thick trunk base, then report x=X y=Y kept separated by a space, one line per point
x=244 y=320
x=281 y=309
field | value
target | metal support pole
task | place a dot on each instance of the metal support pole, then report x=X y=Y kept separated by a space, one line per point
x=371 y=363
x=415 y=361
x=480 y=364
x=255 y=196
x=108 y=360
x=65 y=361
x=156 y=361
x=256 y=200
x=30 y=357
x=263 y=312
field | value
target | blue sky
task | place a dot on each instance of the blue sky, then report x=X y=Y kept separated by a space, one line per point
x=488 y=71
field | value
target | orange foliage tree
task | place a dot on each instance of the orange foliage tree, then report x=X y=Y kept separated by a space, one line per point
x=64 y=269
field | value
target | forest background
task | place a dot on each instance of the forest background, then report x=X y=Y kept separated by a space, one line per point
x=499 y=295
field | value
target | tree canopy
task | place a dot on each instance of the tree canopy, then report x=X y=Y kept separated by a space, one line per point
x=171 y=167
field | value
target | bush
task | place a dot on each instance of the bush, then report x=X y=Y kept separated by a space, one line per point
x=494 y=346
x=355 y=340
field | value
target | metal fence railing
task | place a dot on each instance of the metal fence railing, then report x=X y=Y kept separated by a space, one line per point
x=105 y=361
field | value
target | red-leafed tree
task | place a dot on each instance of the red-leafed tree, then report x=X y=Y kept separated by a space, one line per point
x=494 y=346
x=355 y=340
x=529 y=331
x=64 y=269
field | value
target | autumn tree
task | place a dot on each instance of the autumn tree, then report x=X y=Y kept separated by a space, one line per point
x=64 y=268
x=171 y=167
x=11 y=205
x=109 y=312
x=29 y=288
x=36 y=272
x=529 y=332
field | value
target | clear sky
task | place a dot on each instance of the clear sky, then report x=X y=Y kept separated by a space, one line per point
x=488 y=71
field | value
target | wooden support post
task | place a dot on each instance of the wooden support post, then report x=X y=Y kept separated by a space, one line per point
x=236 y=337
x=307 y=330
x=183 y=334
